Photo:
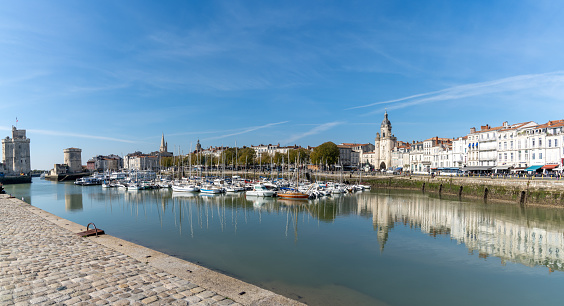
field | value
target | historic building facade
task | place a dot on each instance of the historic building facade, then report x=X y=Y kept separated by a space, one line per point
x=384 y=144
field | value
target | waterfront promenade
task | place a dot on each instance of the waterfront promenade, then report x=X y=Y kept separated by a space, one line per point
x=43 y=261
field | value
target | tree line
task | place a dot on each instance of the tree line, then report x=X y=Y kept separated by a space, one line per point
x=325 y=154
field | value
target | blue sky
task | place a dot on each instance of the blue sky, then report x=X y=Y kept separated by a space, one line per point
x=111 y=76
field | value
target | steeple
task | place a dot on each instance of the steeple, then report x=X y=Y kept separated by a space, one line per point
x=386 y=126
x=163 y=145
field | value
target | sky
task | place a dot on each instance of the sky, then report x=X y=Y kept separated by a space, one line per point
x=110 y=77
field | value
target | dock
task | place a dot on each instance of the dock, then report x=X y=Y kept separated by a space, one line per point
x=43 y=261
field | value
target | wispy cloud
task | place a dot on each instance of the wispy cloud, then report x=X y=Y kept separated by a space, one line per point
x=247 y=130
x=515 y=83
x=316 y=130
x=66 y=134
x=22 y=78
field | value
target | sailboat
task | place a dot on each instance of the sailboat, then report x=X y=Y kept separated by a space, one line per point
x=294 y=194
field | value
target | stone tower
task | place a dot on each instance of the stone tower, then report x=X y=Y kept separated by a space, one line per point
x=73 y=159
x=15 y=156
x=383 y=144
x=164 y=145
x=198 y=146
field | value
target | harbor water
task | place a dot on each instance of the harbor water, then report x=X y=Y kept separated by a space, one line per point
x=380 y=247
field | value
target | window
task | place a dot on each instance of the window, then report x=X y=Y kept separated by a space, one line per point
x=549 y=143
x=505 y=156
x=540 y=142
x=511 y=156
x=505 y=145
x=533 y=155
x=499 y=156
x=500 y=145
x=533 y=143
x=511 y=142
x=540 y=155
x=556 y=142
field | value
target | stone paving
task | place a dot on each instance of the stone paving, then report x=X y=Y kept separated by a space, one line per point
x=42 y=263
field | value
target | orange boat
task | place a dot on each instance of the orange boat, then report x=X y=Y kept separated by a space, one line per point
x=293 y=195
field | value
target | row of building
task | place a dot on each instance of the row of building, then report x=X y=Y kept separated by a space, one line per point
x=526 y=146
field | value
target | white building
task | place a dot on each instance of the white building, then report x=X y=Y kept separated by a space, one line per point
x=459 y=152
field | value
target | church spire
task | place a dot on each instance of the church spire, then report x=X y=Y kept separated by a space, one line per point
x=163 y=147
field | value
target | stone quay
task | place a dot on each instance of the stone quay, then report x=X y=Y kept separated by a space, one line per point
x=44 y=262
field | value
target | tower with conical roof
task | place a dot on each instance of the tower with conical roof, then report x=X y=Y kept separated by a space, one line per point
x=164 y=145
x=384 y=143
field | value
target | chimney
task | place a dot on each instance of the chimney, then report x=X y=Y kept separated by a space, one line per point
x=505 y=124
x=472 y=130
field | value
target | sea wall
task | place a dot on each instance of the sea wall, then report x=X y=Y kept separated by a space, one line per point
x=522 y=192
x=66 y=176
x=20 y=179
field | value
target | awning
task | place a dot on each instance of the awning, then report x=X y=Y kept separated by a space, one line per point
x=477 y=168
x=533 y=168
x=399 y=168
x=501 y=168
x=549 y=167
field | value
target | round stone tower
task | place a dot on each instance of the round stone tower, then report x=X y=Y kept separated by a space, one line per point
x=73 y=159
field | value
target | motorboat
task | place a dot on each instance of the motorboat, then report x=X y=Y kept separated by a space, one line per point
x=185 y=188
x=88 y=181
x=259 y=190
x=232 y=188
x=211 y=189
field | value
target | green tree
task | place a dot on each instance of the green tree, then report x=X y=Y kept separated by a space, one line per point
x=279 y=157
x=326 y=153
x=229 y=156
x=246 y=155
x=166 y=162
x=300 y=155
x=264 y=159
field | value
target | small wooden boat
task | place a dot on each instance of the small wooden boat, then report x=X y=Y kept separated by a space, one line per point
x=293 y=195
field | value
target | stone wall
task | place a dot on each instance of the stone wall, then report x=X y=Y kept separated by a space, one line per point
x=537 y=192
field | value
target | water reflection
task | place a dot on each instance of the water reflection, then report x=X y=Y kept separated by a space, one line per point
x=529 y=236
x=73 y=202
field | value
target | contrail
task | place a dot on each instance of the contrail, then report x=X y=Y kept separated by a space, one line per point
x=247 y=130
x=65 y=134
x=513 y=83
x=316 y=130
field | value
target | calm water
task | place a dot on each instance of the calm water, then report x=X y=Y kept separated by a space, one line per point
x=372 y=248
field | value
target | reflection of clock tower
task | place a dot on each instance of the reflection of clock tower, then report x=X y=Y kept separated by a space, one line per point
x=383 y=144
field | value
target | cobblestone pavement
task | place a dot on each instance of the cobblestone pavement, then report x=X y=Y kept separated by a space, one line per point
x=42 y=263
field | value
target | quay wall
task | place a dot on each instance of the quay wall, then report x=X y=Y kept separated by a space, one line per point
x=66 y=177
x=20 y=179
x=522 y=192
